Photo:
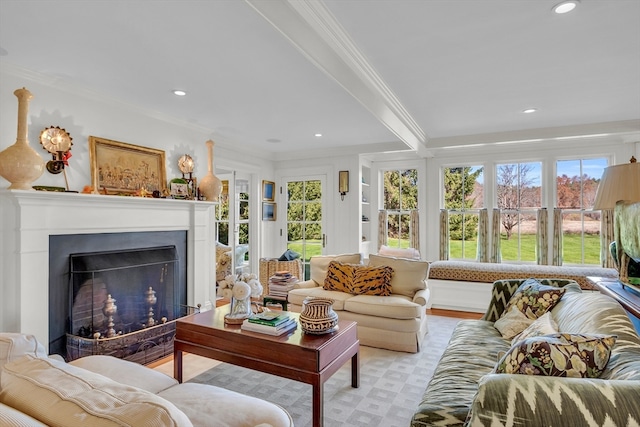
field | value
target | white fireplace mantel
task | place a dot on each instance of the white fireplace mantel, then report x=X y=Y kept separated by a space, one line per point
x=28 y=218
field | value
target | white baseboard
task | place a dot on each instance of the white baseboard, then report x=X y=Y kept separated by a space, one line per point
x=460 y=296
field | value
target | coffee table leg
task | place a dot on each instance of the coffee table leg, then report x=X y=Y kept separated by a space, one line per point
x=177 y=365
x=355 y=370
x=318 y=414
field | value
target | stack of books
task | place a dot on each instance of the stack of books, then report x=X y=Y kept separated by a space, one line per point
x=270 y=322
x=281 y=283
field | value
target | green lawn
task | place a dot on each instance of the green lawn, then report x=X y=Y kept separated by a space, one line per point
x=509 y=249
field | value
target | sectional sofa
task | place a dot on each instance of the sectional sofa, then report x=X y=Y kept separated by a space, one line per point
x=100 y=391
x=465 y=389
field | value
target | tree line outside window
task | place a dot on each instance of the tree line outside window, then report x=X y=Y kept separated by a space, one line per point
x=399 y=199
x=519 y=189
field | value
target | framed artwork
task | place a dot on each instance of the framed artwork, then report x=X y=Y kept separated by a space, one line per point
x=268 y=191
x=126 y=169
x=268 y=211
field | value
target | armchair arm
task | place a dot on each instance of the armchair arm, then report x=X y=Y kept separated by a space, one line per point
x=306 y=284
x=422 y=297
x=528 y=400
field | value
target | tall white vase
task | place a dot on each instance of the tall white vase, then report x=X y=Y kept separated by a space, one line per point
x=210 y=186
x=19 y=163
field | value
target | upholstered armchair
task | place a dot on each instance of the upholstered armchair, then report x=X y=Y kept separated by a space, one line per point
x=223 y=261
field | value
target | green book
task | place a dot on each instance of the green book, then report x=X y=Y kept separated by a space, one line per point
x=270 y=318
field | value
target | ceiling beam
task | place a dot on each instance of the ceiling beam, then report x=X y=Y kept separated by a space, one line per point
x=311 y=28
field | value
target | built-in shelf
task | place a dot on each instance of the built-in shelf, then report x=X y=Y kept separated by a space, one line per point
x=365 y=209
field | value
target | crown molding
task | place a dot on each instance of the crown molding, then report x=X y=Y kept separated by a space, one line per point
x=313 y=30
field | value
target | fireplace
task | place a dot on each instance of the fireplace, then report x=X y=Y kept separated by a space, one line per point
x=31 y=220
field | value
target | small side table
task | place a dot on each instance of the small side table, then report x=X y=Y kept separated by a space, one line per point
x=275 y=300
x=626 y=295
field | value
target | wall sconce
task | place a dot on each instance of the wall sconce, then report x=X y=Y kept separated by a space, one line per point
x=343 y=183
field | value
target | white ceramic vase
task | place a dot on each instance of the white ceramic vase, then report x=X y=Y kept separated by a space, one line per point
x=19 y=163
x=210 y=186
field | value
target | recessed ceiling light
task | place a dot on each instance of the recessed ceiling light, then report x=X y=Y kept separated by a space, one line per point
x=179 y=92
x=274 y=140
x=565 y=6
x=530 y=110
x=318 y=135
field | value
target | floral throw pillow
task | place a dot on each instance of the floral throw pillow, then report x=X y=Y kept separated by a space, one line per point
x=543 y=325
x=534 y=299
x=559 y=355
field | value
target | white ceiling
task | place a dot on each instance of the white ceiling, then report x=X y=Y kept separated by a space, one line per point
x=379 y=75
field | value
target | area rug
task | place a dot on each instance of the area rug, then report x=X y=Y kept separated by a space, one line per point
x=391 y=384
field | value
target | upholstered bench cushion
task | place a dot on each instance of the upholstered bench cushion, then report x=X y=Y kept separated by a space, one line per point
x=297 y=296
x=207 y=405
x=488 y=272
x=392 y=307
x=59 y=394
x=126 y=372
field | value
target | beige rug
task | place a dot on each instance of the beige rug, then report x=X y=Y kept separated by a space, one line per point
x=391 y=384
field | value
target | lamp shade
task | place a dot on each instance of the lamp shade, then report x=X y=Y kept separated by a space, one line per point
x=619 y=182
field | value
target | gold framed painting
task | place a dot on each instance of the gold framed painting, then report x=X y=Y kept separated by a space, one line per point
x=126 y=169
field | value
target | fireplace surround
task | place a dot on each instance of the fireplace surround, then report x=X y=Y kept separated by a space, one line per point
x=29 y=218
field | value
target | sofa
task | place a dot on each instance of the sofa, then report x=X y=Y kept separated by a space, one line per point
x=466 y=285
x=467 y=390
x=396 y=321
x=39 y=390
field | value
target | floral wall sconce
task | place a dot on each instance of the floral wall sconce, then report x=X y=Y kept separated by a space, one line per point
x=343 y=183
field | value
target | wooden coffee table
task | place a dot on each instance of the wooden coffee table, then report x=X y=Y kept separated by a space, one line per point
x=310 y=359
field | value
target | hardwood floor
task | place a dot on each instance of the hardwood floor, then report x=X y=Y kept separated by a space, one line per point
x=452 y=313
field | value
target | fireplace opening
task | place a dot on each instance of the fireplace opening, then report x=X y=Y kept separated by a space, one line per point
x=117 y=293
x=123 y=303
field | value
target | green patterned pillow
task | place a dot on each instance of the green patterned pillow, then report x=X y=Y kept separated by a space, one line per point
x=339 y=277
x=372 y=280
x=534 y=299
x=559 y=355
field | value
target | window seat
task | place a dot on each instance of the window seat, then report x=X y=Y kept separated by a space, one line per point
x=466 y=285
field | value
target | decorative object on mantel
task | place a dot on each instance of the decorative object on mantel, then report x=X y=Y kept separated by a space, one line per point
x=210 y=186
x=317 y=316
x=57 y=141
x=239 y=289
x=19 y=163
x=186 y=165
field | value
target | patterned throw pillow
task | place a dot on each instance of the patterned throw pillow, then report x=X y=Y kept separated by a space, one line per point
x=559 y=355
x=543 y=325
x=512 y=323
x=339 y=277
x=372 y=280
x=534 y=299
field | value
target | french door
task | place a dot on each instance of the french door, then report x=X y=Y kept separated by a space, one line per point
x=305 y=217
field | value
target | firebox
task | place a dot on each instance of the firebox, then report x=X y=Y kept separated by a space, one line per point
x=124 y=303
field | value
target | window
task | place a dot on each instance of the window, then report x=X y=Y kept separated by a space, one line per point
x=304 y=219
x=400 y=197
x=518 y=191
x=576 y=185
x=463 y=199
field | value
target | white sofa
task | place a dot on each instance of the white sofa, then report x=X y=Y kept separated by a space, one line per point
x=37 y=390
x=395 y=322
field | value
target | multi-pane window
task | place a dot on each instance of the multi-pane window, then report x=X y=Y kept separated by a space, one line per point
x=576 y=185
x=463 y=199
x=400 y=197
x=304 y=220
x=242 y=195
x=518 y=191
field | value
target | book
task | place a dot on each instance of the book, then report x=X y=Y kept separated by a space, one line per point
x=270 y=318
x=269 y=330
